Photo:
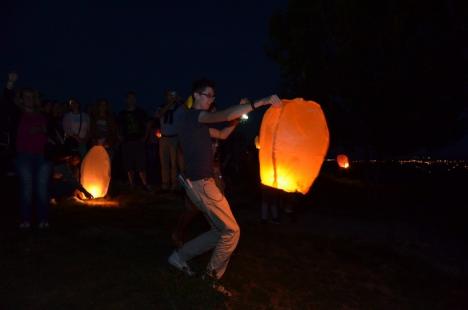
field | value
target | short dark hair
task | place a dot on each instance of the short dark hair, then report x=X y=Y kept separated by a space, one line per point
x=74 y=100
x=201 y=84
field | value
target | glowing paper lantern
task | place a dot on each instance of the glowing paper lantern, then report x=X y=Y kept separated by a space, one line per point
x=157 y=134
x=96 y=171
x=342 y=161
x=294 y=140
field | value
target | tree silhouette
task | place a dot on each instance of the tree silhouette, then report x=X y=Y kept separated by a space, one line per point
x=389 y=74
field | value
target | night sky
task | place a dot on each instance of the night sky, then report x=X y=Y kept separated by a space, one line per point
x=87 y=51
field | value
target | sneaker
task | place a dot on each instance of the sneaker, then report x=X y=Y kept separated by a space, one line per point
x=175 y=261
x=25 y=225
x=215 y=285
x=43 y=225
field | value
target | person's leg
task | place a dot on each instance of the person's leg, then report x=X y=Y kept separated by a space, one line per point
x=126 y=161
x=140 y=162
x=42 y=189
x=164 y=157
x=224 y=234
x=187 y=216
x=218 y=177
x=24 y=168
x=180 y=159
x=173 y=162
x=230 y=233
x=267 y=201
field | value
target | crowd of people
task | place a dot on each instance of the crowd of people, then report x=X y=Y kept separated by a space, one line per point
x=48 y=140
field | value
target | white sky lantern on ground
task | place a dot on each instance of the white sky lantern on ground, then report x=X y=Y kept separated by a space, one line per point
x=96 y=171
x=294 y=140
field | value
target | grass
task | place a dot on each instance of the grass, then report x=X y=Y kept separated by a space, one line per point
x=115 y=258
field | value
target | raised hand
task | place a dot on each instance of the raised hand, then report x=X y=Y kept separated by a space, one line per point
x=274 y=100
x=244 y=101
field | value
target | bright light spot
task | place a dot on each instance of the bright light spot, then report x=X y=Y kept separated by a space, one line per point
x=95 y=191
x=244 y=117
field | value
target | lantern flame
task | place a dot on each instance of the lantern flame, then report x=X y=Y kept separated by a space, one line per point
x=157 y=133
x=342 y=161
x=94 y=190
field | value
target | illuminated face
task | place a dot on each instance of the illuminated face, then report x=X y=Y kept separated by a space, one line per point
x=205 y=98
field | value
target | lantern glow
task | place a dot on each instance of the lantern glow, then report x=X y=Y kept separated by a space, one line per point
x=294 y=140
x=96 y=171
x=343 y=161
x=157 y=133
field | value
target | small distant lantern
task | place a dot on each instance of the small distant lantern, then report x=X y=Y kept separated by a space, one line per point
x=294 y=140
x=157 y=133
x=96 y=171
x=342 y=161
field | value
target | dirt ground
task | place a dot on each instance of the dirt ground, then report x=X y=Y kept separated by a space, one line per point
x=351 y=243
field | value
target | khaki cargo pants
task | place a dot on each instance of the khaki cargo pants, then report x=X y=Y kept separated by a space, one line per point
x=224 y=233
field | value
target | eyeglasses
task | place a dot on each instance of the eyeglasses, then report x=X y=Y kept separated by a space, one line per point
x=210 y=96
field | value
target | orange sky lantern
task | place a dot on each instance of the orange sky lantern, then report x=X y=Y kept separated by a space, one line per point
x=157 y=133
x=343 y=161
x=294 y=140
x=96 y=171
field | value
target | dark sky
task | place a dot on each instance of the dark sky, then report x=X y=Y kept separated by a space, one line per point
x=86 y=50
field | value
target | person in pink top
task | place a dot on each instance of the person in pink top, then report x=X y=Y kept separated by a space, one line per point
x=32 y=167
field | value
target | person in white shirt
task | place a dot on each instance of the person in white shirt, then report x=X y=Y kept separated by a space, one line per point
x=76 y=126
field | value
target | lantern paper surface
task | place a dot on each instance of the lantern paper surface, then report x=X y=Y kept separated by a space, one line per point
x=343 y=161
x=96 y=171
x=294 y=140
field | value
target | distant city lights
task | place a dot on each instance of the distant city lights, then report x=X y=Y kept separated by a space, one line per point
x=426 y=164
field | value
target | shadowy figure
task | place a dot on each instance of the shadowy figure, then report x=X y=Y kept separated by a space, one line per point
x=76 y=125
x=32 y=167
x=65 y=179
x=270 y=203
x=195 y=137
x=132 y=123
x=103 y=128
x=169 y=143
x=180 y=233
x=153 y=135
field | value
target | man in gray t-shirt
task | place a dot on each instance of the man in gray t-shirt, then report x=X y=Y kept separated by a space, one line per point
x=195 y=138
